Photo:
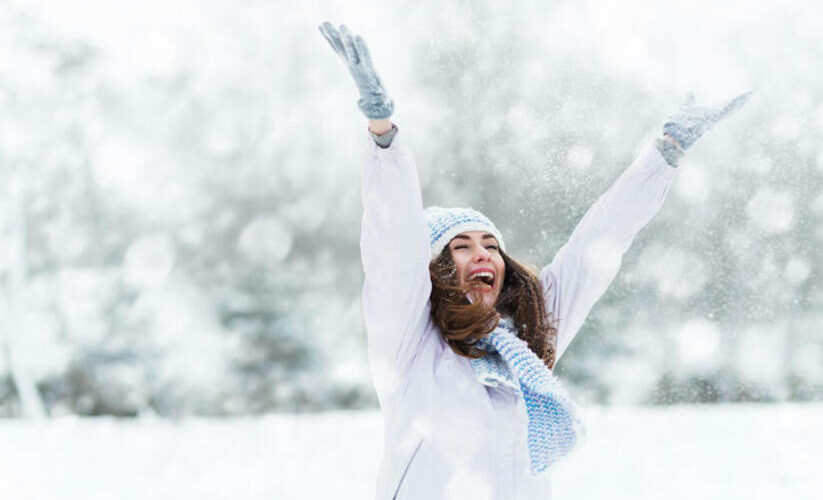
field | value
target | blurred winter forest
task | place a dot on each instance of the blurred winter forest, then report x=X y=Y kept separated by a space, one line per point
x=179 y=219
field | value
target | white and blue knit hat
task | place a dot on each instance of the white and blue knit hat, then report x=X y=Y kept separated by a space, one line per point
x=446 y=223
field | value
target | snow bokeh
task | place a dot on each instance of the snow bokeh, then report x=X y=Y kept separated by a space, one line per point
x=149 y=260
x=698 y=342
x=771 y=211
x=266 y=239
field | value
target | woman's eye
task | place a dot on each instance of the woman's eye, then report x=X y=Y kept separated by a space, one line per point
x=457 y=247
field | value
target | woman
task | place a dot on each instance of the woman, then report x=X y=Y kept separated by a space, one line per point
x=461 y=337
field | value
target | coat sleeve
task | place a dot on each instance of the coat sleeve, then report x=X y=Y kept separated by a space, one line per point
x=585 y=266
x=395 y=252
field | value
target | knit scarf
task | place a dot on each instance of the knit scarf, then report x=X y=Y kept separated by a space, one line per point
x=554 y=425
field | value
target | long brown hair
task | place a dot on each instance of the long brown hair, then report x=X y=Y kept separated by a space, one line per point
x=463 y=323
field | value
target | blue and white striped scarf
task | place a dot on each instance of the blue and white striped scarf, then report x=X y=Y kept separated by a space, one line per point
x=554 y=425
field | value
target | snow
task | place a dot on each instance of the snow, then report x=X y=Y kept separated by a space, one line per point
x=682 y=452
x=771 y=211
x=149 y=260
x=797 y=270
x=759 y=346
x=675 y=272
x=693 y=184
x=266 y=238
x=580 y=157
x=698 y=341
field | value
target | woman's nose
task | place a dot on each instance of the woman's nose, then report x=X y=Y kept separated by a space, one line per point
x=481 y=255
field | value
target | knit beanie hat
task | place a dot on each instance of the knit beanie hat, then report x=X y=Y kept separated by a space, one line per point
x=446 y=223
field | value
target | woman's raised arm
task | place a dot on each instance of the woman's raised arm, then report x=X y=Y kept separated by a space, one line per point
x=585 y=266
x=394 y=238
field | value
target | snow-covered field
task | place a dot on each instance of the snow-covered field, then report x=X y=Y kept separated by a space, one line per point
x=716 y=452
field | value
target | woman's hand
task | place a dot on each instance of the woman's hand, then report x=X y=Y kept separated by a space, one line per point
x=374 y=102
x=690 y=122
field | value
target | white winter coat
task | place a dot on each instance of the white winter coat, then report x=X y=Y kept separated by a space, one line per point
x=447 y=436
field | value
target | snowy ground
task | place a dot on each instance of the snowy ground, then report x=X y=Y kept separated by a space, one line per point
x=719 y=452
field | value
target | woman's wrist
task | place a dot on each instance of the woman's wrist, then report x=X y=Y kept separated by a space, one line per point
x=380 y=126
x=669 y=149
x=384 y=140
x=672 y=140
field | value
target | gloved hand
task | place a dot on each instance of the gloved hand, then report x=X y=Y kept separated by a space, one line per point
x=373 y=102
x=690 y=122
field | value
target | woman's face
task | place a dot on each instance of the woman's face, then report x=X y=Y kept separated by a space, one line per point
x=477 y=257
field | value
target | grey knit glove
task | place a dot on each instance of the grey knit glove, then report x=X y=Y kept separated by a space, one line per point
x=670 y=152
x=690 y=121
x=373 y=102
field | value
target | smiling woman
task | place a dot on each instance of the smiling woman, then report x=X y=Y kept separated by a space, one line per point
x=461 y=337
x=472 y=267
x=479 y=265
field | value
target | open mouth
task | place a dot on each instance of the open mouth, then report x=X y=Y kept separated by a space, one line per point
x=482 y=281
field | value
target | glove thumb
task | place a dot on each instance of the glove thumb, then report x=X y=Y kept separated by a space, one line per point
x=736 y=103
